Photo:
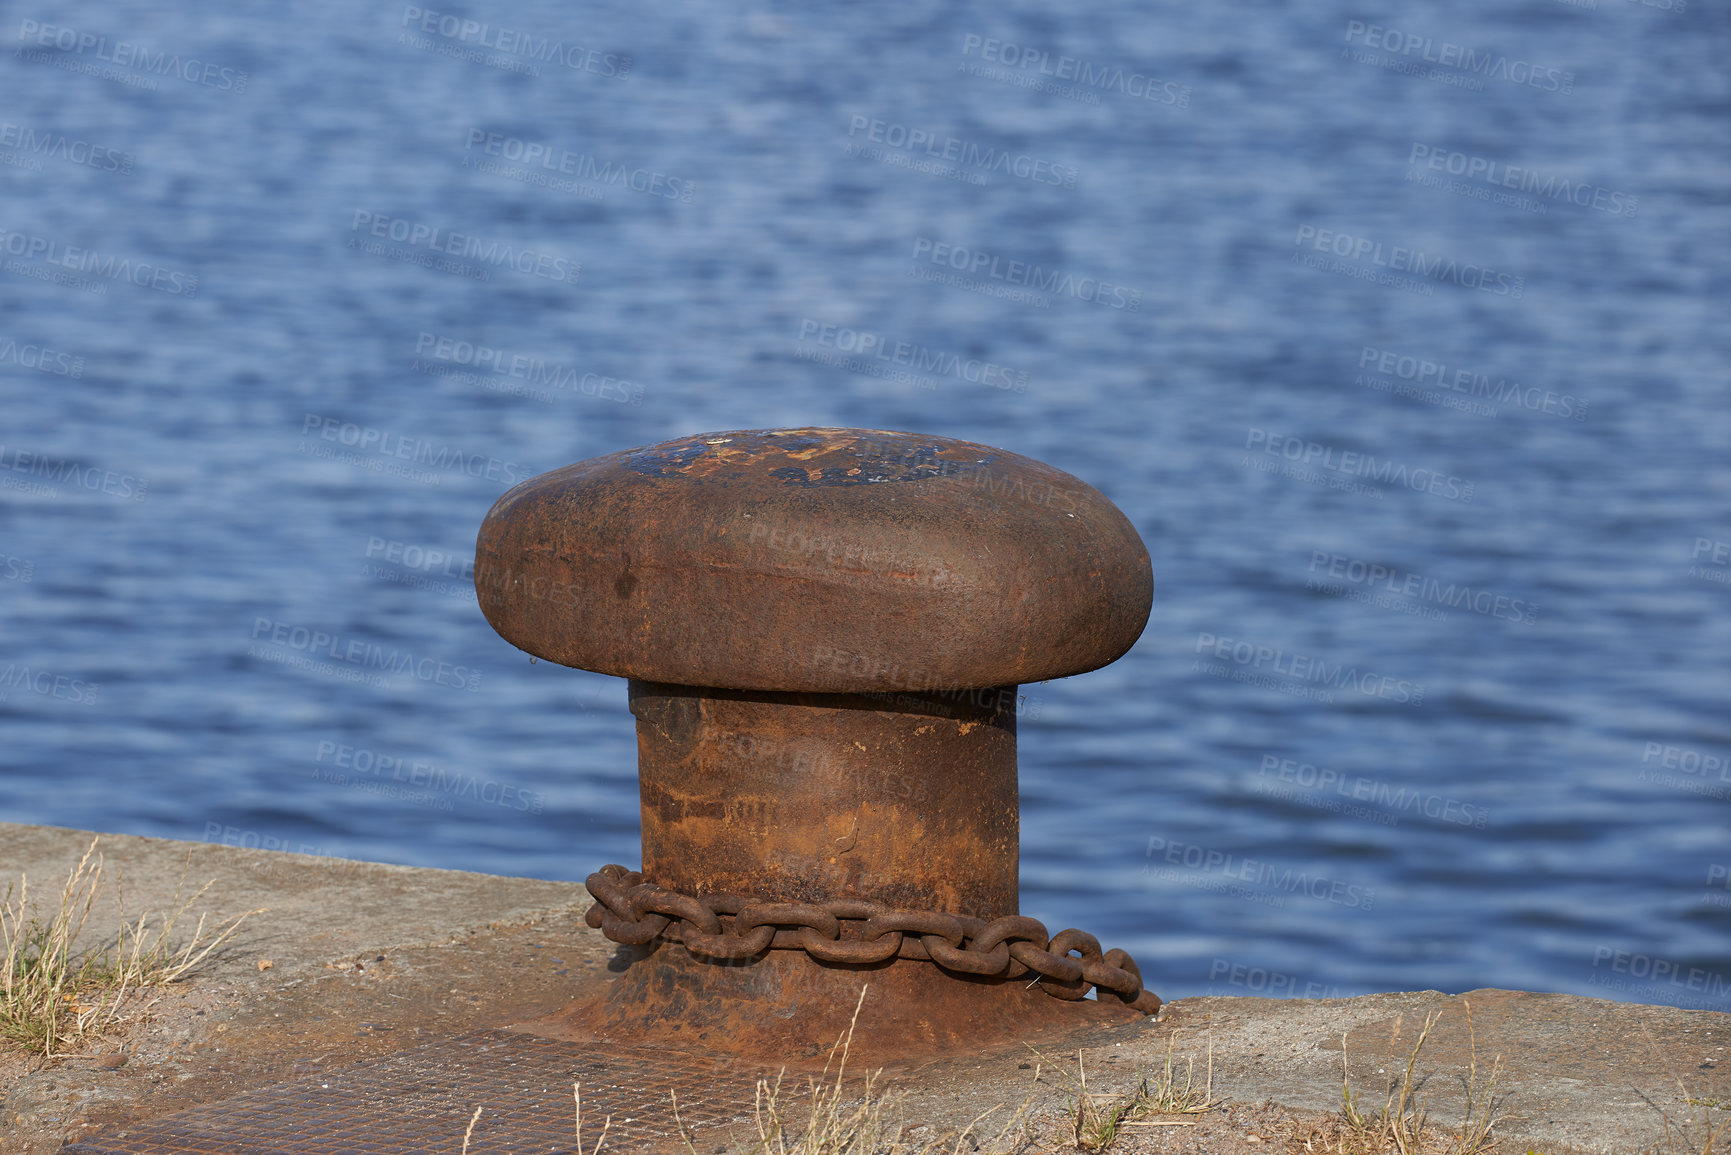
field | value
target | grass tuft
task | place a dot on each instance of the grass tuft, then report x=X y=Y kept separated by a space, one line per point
x=1097 y=1119
x=1403 y=1126
x=1400 y=1126
x=1481 y=1117
x=55 y=991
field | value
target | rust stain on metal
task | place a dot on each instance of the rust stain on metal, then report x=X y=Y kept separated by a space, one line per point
x=785 y=767
x=822 y=560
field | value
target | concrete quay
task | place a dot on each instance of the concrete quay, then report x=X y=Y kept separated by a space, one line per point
x=406 y=998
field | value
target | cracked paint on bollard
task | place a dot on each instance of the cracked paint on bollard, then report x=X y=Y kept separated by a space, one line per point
x=824 y=630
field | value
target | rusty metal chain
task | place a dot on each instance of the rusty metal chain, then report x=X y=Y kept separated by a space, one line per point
x=628 y=909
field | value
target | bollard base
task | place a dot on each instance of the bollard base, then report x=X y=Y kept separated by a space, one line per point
x=783 y=1007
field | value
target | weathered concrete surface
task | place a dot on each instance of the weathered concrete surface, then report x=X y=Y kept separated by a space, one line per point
x=367 y=960
x=364 y=959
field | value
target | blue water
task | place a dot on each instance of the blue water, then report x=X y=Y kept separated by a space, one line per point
x=1296 y=782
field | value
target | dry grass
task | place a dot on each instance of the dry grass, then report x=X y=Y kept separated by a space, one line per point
x=823 y=1121
x=1403 y=1126
x=577 y=1097
x=577 y=1094
x=1696 y=1132
x=1480 y=1118
x=1097 y=1119
x=55 y=991
x=1400 y=1125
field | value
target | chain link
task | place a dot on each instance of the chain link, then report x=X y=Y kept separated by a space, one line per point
x=629 y=909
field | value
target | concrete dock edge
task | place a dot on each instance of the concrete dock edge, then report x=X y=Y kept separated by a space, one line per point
x=352 y=962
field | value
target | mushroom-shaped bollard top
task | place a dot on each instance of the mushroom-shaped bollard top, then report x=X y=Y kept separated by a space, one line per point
x=814 y=560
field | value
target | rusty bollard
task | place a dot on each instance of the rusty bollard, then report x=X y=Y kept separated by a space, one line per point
x=824 y=631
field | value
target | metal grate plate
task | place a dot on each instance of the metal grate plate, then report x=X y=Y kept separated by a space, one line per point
x=421 y=1100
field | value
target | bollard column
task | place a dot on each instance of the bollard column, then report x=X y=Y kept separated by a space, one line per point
x=803 y=797
x=824 y=631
